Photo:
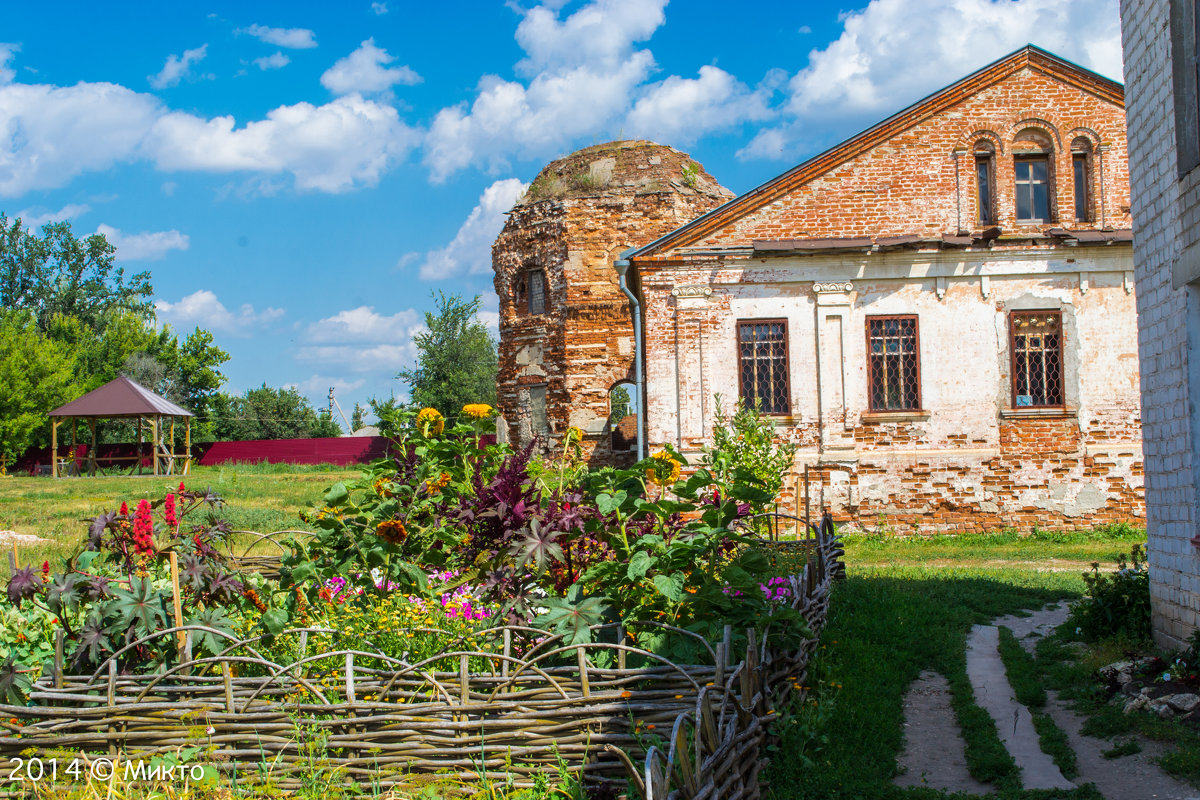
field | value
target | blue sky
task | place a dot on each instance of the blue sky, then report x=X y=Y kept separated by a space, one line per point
x=299 y=177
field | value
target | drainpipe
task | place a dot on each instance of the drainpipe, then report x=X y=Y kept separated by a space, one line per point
x=639 y=374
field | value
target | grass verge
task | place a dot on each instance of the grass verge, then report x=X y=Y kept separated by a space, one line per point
x=886 y=625
x=258 y=498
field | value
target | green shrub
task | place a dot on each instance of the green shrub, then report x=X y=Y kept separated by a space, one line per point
x=1118 y=604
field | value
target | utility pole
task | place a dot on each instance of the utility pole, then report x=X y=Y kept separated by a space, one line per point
x=333 y=403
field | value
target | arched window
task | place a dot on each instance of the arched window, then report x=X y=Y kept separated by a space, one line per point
x=623 y=417
x=1034 y=178
x=1081 y=169
x=529 y=292
x=985 y=178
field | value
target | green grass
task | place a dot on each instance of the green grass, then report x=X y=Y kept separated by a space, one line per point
x=1069 y=552
x=886 y=625
x=261 y=498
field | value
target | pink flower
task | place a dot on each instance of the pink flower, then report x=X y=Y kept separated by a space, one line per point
x=169 y=511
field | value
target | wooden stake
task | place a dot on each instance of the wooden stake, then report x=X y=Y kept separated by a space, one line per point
x=187 y=445
x=180 y=636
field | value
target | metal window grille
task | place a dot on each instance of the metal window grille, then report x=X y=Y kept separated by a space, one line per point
x=893 y=363
x=983 y=176
x=763 y=365
x=1033 y=189
x=1080 y=166
x=1036 y=344
x=535 y=283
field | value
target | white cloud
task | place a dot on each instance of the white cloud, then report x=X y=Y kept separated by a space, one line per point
x=37 y=218
x=489 y=312
x=598 y=36
x=276 y=60
x=332 y=148
x=319 y=385
x=363 y=340
x=803 y=29
x=379 y=9
x=50 y=134
x=893 y=52
x=177 y=67
x=146 y=246
x=8 y=51
x=681 y=110
x=365 y=71
x=364 y=324
x=293 y=38
x=202 y=308
x=584 y=71
x=471 y=249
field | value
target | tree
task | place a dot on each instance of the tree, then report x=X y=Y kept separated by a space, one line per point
x=269 y=413
x=456 y=358
x=37 y=375
x=357 y=417
x=59 y=274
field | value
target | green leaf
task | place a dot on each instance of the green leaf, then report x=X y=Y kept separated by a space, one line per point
x=140 y=606
x=275 y=620
x=574 y=619
x=415 y=575
x=206 y=642
x=639 y=565
x=84 y=560
x=671 y=586
x=337 y=494
x=303 y=571
x=608 y=503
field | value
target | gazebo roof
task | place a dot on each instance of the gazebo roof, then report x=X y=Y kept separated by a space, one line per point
x=120 y=398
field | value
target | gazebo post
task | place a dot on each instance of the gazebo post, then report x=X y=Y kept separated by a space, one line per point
x=92 y=447
x=138 y=457
x=187 y=445
x=54 y=448
x=171 y=462
x=74 y=445
x=157 y=426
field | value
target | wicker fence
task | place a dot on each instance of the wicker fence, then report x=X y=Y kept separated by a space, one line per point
x=512 y=704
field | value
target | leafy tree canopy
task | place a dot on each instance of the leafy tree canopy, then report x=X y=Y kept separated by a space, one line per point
x=58 y=274
x=456 y=358
x=269 y=413
x=37 y=375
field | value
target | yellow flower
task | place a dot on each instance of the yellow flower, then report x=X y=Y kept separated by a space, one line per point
x=574 y=434
x=430 y=422
x=664 y=469
x=477 y=410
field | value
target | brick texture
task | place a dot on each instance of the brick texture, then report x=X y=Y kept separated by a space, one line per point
x=1164 y=209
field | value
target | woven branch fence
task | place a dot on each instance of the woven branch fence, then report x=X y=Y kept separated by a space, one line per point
x=511 y=705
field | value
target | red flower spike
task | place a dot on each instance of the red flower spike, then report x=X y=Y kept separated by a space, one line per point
x=124 y=509
x=169 y=511
x=181 y=489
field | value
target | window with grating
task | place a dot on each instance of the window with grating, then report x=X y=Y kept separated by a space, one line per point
x=1036 y=345
x=535 y=285
x=893 y=363
x=763 y=365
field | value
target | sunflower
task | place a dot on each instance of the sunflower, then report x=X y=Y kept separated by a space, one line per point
x=430 y=422
x=664 y=469
x=383 y=488
x=477 y=410
x=392 y=531
x=574 y=434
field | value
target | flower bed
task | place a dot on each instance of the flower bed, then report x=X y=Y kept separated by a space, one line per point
x=461 y=606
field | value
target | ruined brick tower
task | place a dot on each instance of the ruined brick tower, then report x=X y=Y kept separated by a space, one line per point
x=566 y=331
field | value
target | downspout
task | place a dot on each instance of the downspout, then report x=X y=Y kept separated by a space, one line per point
x=639 y=368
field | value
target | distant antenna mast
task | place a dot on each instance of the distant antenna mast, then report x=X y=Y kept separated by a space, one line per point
x=333 y=403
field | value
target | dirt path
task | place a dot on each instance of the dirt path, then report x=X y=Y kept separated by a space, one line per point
x=933 y=751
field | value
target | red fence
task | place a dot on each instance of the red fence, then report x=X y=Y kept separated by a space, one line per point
x=340 y=450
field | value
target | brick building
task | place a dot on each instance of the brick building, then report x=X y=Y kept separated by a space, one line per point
x=1164 y=152
x=939 y=311
x=566 y=335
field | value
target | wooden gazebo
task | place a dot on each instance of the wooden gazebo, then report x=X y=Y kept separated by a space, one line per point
x=125 y=399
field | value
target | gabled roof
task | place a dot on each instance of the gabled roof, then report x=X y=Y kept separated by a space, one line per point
x=120 y=398
x=1028 y=56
